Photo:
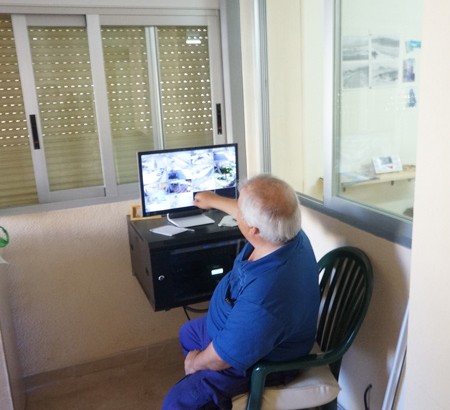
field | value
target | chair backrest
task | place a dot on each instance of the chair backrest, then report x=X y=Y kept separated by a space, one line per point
x=346 y=282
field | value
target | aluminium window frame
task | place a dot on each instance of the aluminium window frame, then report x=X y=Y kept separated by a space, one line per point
x=227 y=30
x=377 y=222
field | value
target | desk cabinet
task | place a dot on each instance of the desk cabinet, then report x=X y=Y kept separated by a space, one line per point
x=183 y=269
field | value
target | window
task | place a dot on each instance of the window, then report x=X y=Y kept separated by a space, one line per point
x=17 y=183
x=183 y=88
x=343 y=120
x=97 y=89
x=185 y=85
x=377 y=71
x=66 y=107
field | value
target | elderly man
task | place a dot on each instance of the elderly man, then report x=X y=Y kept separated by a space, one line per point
x=265 y=308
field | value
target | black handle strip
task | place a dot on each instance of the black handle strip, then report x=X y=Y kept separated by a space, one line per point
x=34 y=132
x=219 y=118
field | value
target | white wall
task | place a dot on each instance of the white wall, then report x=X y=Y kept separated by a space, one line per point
x=73 y=296
x=285 y=90
x=428 y=357
x=11 y=386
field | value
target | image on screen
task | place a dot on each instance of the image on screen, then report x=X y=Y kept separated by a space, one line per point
x=170 y=178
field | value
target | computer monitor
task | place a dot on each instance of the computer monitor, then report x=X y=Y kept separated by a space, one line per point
x=170 y=178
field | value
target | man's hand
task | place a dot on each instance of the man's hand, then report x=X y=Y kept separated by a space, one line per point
x=189 y=362
x=207 y=359
x=204 y=200
x=208 y=200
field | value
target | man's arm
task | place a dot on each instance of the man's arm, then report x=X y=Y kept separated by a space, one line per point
x=207 y=359
x=208 y=200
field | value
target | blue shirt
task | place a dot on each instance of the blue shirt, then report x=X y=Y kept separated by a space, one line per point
x=266 y=308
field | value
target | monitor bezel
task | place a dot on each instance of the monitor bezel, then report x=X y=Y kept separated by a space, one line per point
x=141 y=154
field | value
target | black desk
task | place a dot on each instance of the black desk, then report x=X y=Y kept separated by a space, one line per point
x=183 y=269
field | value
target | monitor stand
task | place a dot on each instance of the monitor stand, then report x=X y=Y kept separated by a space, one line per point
x=189 y=218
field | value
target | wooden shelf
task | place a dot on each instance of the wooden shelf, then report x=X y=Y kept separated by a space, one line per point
x=407 y=174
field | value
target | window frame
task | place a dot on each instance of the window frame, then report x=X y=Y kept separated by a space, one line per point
x=377 y=222
x=112 y=191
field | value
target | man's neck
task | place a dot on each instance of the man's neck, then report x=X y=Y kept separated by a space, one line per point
x=263 y=249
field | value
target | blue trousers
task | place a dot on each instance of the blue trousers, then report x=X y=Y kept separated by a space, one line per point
x=206 y=389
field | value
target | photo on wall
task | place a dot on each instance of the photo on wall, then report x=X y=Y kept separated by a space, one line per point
x=355 y=61
x=384 y=47
x=409 y=70
x=384 y=73
x=370 y=61
x=355 y=74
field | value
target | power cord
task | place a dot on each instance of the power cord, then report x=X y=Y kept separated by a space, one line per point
x=194 y=310
x=366 y=392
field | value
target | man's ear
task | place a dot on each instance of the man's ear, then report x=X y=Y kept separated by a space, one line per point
x=254 y=230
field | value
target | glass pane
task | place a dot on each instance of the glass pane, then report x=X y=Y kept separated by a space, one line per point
x=184 y=89
x=66 y=103
x=376 y=112
x=17 y=183
x=185 y=86
x=126 y=67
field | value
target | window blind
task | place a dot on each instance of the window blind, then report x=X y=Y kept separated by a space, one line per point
x=63 y=80
x=67 y=123
x=185 y=86
x=126 y=69
x=17 y=183
x=185 y=91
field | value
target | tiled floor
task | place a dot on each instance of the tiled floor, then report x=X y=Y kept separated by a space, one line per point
x=139 y=385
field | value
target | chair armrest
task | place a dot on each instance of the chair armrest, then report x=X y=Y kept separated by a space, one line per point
x=263 y=368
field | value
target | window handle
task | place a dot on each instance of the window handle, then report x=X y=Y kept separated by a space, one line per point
x=219 y=118
x=34 y=132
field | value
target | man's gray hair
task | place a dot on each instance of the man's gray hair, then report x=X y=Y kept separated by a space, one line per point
x=272 y=206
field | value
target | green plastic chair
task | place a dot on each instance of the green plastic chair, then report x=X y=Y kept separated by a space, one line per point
x=346 y=282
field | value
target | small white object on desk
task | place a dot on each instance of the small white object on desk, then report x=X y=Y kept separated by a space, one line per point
x=187 y=221
x=228 y=220
x=170 y=230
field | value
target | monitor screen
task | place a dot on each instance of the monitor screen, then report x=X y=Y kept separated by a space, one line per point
x=170 y=178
